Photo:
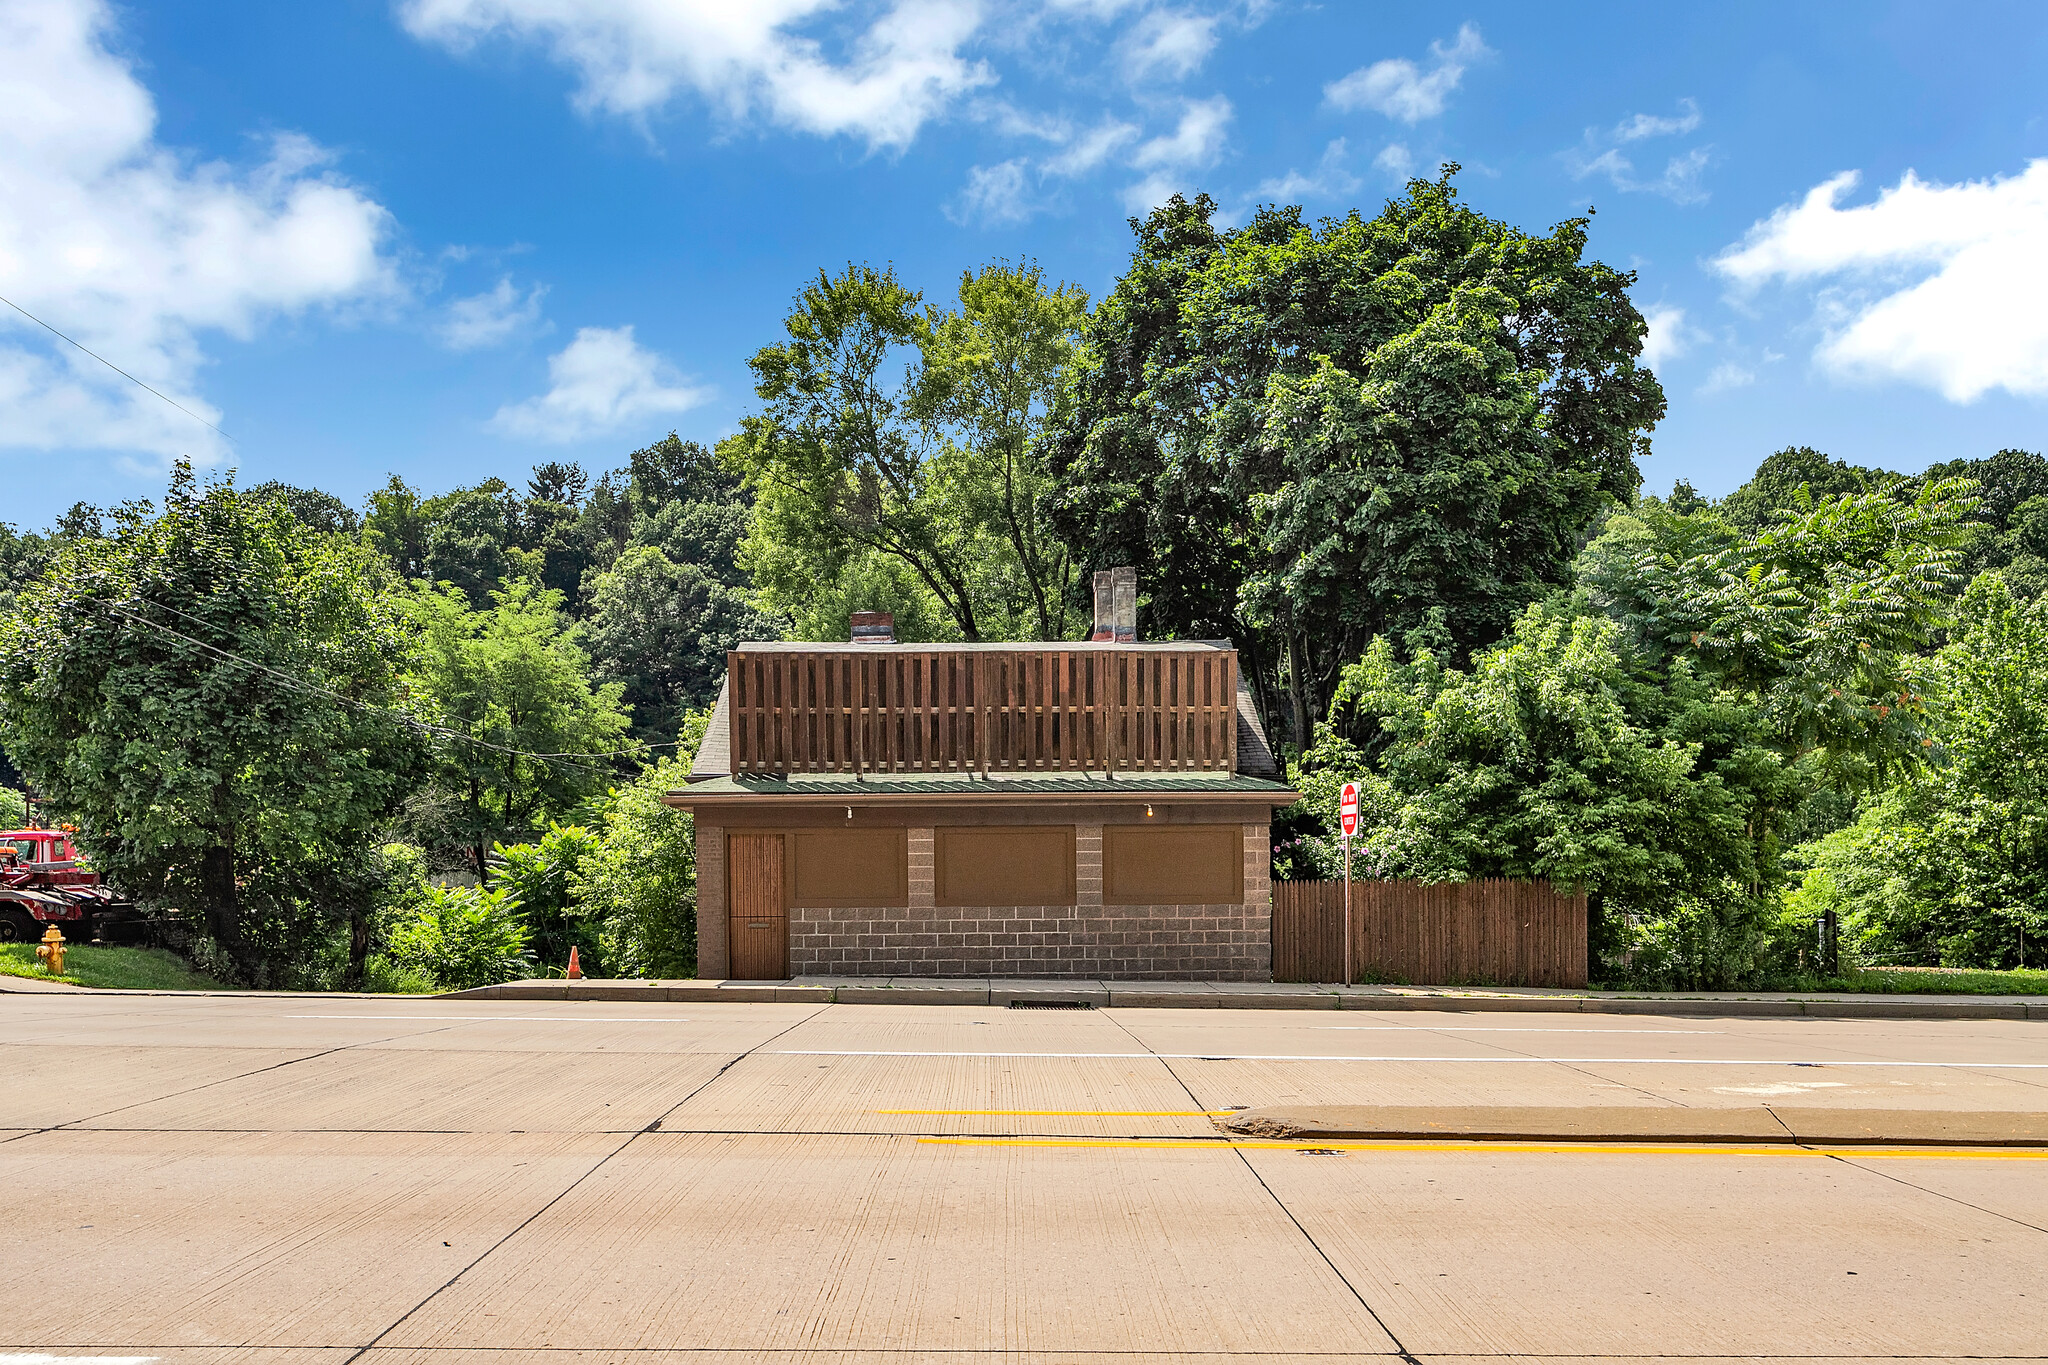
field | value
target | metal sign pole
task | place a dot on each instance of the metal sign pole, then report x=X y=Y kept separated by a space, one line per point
x=1347 y=909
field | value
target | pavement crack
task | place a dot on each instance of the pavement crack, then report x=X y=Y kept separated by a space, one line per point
x=571 y=1187
x=1278 y=1203
x=219 y=1080
x=1938 y=1194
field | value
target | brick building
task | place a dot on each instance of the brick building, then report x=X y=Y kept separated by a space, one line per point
x=1096 y=809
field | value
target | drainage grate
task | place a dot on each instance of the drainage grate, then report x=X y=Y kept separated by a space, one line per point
x=1320 y=1151
x=1051 y=1005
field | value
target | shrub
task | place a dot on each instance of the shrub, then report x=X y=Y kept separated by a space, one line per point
x=540 y=877
x=640 y=882
x=459 y=937
x=385 y=977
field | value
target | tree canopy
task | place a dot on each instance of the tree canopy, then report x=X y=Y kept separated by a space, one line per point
x=217 y=695
x=1306 y=436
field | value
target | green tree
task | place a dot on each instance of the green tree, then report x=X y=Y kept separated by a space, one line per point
x=1549 y=759
x=1777 y=481
x=215 y=696
x=1949 y=864
x=1309 y=436
x=910 y=434
x=660 y=631
x=1818 y=622
x=510 y=678
x=992 y=382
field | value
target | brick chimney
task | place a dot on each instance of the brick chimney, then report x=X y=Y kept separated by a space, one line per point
x=874 y=628
x=1116 y=606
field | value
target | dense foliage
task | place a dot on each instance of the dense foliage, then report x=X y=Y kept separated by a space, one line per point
x=219 y=692
x=1306 y=436
x=425 y=742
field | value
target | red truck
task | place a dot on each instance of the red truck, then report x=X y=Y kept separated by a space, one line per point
x=42 y=884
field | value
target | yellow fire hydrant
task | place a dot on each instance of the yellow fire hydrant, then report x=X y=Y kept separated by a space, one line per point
x=50 y=952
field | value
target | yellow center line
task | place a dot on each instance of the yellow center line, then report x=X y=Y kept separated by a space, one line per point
x=1478 y=1147
x=1073 y=1113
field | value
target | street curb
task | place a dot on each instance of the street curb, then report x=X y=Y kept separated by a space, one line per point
x=1204 y=995
x=1787 y=1125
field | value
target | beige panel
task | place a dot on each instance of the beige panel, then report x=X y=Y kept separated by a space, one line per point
x=1173 y=864
x=994 y=865
x=849 y=867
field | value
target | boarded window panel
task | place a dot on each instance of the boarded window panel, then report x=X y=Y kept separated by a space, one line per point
x=1172 y=865
x=849 y=867
x=1004 y=865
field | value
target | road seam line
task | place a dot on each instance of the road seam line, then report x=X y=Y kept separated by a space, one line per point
x=571 y=1187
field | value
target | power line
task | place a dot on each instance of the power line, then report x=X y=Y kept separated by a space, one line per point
x=116 y=368
x=202 y=621
x=399 y=717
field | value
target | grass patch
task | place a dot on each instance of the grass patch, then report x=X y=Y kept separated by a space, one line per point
x=1945 y=981
x=125 y=969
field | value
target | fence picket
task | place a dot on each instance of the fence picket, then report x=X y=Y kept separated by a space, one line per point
x=1488 y=932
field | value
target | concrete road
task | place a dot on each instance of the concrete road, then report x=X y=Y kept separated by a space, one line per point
x=271 y=1179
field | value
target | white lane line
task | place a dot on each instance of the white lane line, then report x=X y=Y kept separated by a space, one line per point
x=506 y=1018
x=1487 y=1028
x=1313 y=1057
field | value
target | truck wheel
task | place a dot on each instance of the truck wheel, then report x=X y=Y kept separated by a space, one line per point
x=18 y=926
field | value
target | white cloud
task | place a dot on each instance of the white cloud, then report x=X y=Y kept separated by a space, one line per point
x=742 y=59
x=490 y=318
x=1679 y=181
x=1330 y=180
x=1728 y=375
x=1395 y=161
x=1194 y=144
x=994 y=194
x=601 y=381
x=1090 y=149
x=1670 y=336
x=1940 y=285
x=1402 y=90
x=1636 y=127
x=137 y=251
x=1195 y=141
x=1169 y=43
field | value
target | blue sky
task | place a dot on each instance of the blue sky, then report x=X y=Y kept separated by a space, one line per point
x=454 y=238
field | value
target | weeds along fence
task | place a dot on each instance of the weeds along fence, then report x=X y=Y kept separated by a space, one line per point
x=1488 y=932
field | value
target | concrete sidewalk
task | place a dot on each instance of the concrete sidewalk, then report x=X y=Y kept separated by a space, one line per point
x=1271 y=995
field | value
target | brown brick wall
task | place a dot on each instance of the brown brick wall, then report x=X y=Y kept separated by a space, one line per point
x=1130 y=942
x=713 y=952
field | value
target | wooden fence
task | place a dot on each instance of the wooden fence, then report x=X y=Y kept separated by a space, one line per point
x=975 y=710
x=1491 y=932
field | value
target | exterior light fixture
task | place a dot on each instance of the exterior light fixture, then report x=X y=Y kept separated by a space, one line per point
x=1148 y=811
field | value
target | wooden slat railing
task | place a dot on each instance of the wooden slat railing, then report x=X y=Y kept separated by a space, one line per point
x=1030 y=709
x=1489 y=932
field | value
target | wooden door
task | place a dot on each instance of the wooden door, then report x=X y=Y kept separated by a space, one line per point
x=760 y=913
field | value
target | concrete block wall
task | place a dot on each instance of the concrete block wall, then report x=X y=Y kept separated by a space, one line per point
x=1087 y=939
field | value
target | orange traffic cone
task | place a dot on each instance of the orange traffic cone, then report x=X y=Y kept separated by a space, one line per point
x=575 y=967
